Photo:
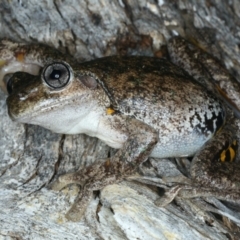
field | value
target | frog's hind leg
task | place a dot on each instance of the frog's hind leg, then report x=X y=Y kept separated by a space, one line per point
x=216 y=167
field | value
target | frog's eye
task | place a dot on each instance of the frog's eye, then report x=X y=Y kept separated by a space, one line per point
x=56 y=75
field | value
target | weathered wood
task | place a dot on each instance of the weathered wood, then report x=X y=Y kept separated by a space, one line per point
x=32 y=157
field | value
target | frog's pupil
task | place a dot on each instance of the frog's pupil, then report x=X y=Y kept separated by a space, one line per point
x=56 y=74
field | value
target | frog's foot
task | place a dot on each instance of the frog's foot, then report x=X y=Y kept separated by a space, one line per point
x=78 y=209
x=93 y=177
x=168 y=196
x=81 y=177
x=169 y=184
x=87 y=178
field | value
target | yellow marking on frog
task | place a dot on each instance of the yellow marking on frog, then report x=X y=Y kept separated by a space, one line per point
x=2 y=62
x=110 y=111
x=20 y=56
x=229 y=154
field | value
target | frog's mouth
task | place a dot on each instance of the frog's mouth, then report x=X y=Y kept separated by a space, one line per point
x=61 y=116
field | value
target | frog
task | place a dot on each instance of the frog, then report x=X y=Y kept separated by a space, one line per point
x=142 y=106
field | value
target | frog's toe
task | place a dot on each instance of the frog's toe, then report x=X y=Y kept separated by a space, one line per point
x=65 y=180
x=74 y=215
x=168 y=196
x=77 y=211
x=57 y=185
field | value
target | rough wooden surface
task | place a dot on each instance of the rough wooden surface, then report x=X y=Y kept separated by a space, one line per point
x=32 y=157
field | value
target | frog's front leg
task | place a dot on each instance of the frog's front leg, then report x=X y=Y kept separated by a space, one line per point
x=141 y=140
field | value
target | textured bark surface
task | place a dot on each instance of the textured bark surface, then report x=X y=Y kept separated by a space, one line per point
x=32 y=157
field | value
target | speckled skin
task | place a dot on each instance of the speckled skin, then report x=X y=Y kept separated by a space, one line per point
x=157 y=109
x=207 y=70
x=154 y=91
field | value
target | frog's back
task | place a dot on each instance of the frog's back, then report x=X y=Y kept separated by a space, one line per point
x=163 y=96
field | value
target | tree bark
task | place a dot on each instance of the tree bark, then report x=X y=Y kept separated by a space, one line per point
x=32 y=157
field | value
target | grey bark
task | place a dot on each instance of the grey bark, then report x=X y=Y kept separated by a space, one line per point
x=32 y=157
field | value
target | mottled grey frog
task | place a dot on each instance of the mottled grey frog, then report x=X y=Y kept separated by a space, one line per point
x=143 y=106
